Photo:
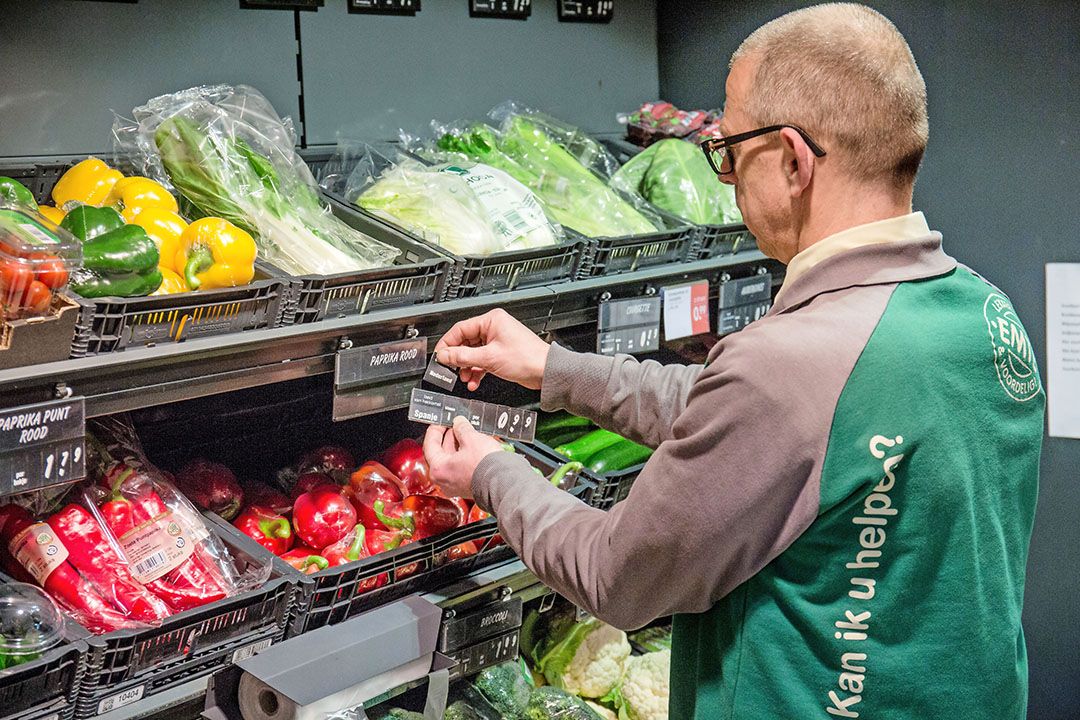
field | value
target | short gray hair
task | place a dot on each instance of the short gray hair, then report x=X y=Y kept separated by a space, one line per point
x=844 y=74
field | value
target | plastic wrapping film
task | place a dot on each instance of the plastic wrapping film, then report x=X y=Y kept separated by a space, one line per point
x=230 y=155
x=570 y=181
x=468 y=208
x=674 y=175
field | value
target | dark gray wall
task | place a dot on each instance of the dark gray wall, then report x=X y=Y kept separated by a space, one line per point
x=67 y=64
x=377 y=74
x=1000 y=181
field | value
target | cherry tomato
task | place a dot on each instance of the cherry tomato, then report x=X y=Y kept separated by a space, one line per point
x=50 y=270
x=15 y=276
x=38 y=298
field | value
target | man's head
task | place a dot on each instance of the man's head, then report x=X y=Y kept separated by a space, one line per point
x=846 y=76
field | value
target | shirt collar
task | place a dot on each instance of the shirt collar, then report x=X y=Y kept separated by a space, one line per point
x=902 y=227
x=868 y=264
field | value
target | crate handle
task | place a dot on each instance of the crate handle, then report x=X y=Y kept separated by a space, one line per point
x=637 y=259
x=515 y=276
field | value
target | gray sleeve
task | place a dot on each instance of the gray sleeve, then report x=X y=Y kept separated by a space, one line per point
x=639 y=400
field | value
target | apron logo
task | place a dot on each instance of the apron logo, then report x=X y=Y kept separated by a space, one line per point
x=1014 y=358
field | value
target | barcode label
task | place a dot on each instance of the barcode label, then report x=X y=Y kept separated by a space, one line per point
x=150 y=564
x=516 y=221
x=245 y=652
x=38 y=234
x=121 y=699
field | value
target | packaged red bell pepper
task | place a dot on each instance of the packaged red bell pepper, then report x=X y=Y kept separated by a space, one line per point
x=405 y=459
x=306 y=560
x=256 y=493
x=266 y=527
x=211 y=486
x=420 y=516
x=361 y=543
x=371 y=482
x=322 y=516
x=160 y=534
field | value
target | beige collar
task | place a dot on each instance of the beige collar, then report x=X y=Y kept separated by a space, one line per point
x=903 y=227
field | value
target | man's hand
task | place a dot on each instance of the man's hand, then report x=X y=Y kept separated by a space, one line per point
x=494 y=343
x=453 y=454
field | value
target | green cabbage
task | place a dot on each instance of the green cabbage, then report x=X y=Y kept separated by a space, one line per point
x=675 y=176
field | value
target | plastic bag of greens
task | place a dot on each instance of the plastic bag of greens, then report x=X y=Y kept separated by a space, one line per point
x=230 y=155
x=468 y=208
x=675 y=176
x=586 y=150
x=571 y=193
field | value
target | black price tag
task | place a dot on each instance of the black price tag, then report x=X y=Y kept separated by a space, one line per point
x=491 y=619
x=439 y=375
x=281 y=4
x=631 y=325
x=432 y=408
x=384 y=7
x=507 y=9
x=42 y=445
x=593 y=11
x=742 y=301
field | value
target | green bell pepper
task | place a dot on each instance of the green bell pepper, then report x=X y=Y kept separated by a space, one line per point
x=126 y=249
x=92 y=285
x=86 y=222
x=14 y=191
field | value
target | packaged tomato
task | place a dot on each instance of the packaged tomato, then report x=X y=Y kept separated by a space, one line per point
x=36 y=259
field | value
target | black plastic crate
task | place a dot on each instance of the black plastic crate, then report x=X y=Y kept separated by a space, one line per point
x=716 y=240
x=614 y=255
x=484 y=274
x=331 y=596
x=125 y=666
x=419 y=276
x=111 y=324
x=611 y=487
x=47 y=687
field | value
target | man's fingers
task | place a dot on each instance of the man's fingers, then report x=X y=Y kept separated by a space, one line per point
x=466 y=332
x=433 y=443
x=463 y=431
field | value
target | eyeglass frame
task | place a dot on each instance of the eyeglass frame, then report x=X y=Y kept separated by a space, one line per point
x=724 y=143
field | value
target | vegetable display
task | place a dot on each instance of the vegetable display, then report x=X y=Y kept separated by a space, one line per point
x=585 y=658
x=571 y=193
x=674 y=175
x=601 y=451
x=231 y=156
x=467 y=208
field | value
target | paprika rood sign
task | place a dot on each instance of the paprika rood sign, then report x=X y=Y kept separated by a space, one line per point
x=42 y=445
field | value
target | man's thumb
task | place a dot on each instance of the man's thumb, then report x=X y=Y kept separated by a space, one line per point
x=463 y=430
x=463 y=356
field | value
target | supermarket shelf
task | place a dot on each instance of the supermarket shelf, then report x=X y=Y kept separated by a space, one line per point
x=145 y=377
x=183 y=702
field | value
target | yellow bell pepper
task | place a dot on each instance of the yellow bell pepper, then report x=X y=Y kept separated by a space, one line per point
x=214 y=253
x=171 y=282
x=54 y=214
x=163 y=226
x=137 y=193
x=89 y=182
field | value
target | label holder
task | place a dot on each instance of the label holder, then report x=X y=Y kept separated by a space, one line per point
x=42 y=445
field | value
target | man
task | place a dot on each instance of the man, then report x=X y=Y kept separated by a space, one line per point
x=838 y=510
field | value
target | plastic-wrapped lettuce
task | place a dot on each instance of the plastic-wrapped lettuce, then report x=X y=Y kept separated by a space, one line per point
x=570 y=192
x=230 y=155
x=674 y=175
x=467 y=208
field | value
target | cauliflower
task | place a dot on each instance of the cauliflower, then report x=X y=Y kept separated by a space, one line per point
x=643 y=694
x=588 y=661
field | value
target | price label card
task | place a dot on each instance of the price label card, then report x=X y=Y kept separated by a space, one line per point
x=439 y=375
x=742 y=301
x=42 y=445
x=686 y=309
x=385 y=7
x=432 y=408
x=629 y=325
x=373 y=363
x=509 y=9
x=591 y=11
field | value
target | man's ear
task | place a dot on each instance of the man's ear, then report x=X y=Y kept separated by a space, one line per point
x=799 y=160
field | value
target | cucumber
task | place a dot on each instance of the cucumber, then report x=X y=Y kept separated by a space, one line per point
x=588 y=444
x=560 y=421
x=618 y=457
x=563 y=437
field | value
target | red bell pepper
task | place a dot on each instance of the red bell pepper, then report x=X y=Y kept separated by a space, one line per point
x=372 y=482
x=322 y=516
x=211 y=486
x=337 y=462
x=360 y=543
x=405 y=459
x=96 y=559
x=8 y=563
x=464 y=550
x=268 y=497
x=306 y=560
x=266 y=527
x=308 y=481
x=64 y=583
x=476 y=514
x=419 y=516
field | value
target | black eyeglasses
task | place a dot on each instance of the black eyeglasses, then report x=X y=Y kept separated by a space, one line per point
x=722 y=160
